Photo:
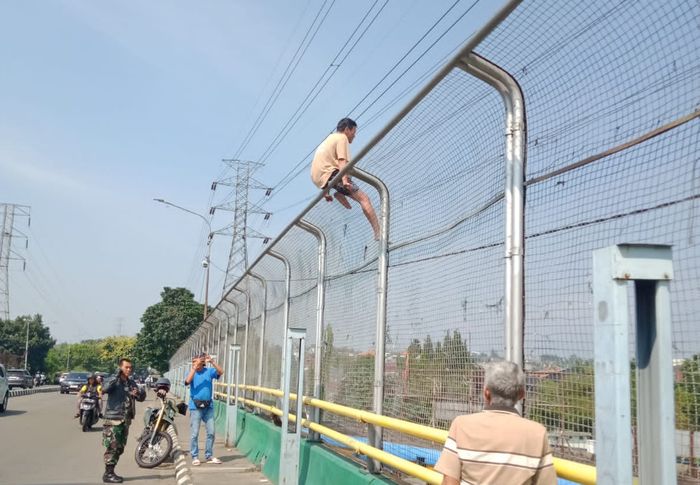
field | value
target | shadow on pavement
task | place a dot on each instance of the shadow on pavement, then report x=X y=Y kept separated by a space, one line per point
x=12 y=412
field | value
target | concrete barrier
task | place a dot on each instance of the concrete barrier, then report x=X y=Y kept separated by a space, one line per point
x=34 y=390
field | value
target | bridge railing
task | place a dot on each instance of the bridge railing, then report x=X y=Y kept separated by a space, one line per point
x=558 y=129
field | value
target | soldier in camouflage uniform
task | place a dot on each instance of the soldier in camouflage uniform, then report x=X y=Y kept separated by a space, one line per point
x=122 y=393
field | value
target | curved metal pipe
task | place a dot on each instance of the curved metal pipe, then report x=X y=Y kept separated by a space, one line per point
x=287 y=298
x=514 y=101
x=247 y=332
x=263 y=323
x=320 y=310
x=382 y=281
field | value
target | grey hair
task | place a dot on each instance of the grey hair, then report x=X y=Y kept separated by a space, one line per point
x=506 y=381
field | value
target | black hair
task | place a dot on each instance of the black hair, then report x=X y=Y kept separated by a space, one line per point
x=124 y=359
x=345 y=123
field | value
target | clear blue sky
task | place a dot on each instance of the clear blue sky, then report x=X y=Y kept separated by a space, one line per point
x=105 y=105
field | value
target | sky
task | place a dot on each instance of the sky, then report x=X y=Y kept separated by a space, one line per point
x=105 y=106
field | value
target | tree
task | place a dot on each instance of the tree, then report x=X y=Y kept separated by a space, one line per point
x=13 y=336
x=111 y=349
x=688 y=404
x=165 y=326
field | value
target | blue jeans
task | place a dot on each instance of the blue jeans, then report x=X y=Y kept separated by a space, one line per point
x=196 y=417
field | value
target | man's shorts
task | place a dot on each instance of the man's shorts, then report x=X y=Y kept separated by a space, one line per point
x=340 y=188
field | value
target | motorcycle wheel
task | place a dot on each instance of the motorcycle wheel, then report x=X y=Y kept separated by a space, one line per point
x=85 y=422
x=150 y=456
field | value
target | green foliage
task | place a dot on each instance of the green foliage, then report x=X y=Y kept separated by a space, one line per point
x=165 y=326
x=567 y=401
x=90 y=355
x=688 y=395
x=13 y=335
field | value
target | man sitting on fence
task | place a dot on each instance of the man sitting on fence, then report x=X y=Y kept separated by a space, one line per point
x=330 y=158
x=497 y=445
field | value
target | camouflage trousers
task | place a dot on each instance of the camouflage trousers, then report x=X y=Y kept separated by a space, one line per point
x=114 y=439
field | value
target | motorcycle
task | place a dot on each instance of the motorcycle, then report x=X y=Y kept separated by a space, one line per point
x=154 y=444
x=89 y=414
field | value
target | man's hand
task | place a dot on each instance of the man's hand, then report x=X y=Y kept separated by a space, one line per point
x=207 y=359
x=161 y=393
x=347 y=182
x=134 y=392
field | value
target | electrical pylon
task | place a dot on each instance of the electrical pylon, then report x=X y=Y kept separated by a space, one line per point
x=241 y=181
x=8 y=214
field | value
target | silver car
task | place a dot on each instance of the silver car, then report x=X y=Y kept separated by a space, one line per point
x=4 y=389
x=20 y=378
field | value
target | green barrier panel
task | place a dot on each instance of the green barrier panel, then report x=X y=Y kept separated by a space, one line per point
x=259 y=440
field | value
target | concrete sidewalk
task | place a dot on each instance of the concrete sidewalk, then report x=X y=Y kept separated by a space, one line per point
x=235 y=468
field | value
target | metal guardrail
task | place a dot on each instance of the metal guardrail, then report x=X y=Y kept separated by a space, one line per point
x=570 y=470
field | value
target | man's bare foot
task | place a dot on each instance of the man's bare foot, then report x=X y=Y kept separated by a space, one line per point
x=329 y=198
x=343 y=201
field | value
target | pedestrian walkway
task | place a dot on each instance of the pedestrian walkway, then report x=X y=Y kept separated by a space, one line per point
x=235 y=467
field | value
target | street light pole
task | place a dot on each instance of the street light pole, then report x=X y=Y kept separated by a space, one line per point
x=26 y=346
x=207 y=260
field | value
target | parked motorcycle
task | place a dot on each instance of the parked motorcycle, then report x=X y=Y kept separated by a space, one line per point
x=89 y=413
x=154 y=444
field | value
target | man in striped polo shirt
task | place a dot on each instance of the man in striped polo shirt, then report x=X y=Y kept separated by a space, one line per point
x=497 y=446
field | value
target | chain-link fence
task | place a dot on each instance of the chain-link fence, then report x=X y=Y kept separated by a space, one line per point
x=611 y=94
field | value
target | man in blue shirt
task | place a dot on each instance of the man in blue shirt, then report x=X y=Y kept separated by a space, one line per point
x=202 y=405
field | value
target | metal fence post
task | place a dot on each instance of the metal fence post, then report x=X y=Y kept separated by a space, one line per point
x=320 y=308
x=263 y=321
x=291 y=440
x=247 y=331
x=651 y=269
x=377 y=440
x=515 y=156
x=287 y=298
x=232 y=409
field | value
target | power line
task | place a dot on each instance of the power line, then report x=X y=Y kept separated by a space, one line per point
x=298 y=168
x=334 y=65
x=286 y=76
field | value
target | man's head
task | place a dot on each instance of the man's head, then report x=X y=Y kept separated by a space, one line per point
x=348 y=127
x=504 y=384
x=125 y=366
x=199 y=361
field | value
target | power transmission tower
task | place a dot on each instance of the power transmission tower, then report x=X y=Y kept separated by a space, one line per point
x=8 y=214
x=241 y=181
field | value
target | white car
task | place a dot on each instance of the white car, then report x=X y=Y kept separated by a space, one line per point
x=4 y=389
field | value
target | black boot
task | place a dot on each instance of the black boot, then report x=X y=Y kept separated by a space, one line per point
x=111 y=477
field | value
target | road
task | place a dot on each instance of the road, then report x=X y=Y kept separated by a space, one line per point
x=41 y=444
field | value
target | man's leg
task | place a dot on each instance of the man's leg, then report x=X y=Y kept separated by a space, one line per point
x=195 y=420
x=208 y=417
x=114 y=439
x=368 y=210
x=343 y=200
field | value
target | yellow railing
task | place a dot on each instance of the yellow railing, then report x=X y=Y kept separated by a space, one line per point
x=570 y=470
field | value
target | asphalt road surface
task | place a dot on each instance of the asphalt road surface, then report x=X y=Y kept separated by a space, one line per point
x=41 y=443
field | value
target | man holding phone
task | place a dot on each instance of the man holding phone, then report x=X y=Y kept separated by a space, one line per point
x=121 y=393
x=200 y=379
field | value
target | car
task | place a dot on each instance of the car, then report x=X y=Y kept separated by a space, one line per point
x=73 y=382
x=20 y=378
x=4 y=389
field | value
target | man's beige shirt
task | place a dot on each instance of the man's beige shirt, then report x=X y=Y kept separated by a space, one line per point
x=332 y=149
x=497 y=447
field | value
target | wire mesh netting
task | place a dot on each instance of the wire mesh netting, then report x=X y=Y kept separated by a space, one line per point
x=612 y=92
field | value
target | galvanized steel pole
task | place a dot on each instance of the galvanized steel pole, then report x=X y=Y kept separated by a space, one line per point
x=263 y=320
x=320 y=309
x=287 y=297
x=515 y=155
x=382 y=280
